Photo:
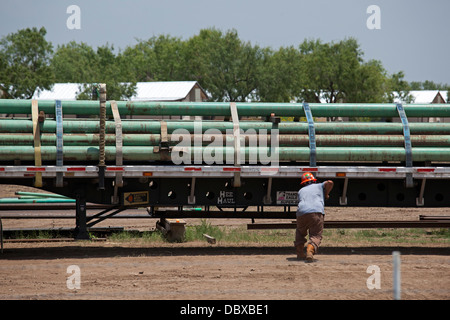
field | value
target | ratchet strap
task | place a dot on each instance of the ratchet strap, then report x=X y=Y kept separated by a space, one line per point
x=163 y=149
x=119 y=138
x=37 y=142
x=237 y=143
x=119 y=150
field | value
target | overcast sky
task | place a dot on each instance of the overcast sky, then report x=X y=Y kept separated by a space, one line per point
x=413 y=35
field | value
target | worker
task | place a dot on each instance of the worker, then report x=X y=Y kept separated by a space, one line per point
x=310 y=215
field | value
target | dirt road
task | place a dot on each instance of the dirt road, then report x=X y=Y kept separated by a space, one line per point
x=198 y=270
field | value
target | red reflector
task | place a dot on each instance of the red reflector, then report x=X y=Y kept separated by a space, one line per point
x=425 y=170
x=309 y=169
x=387 y=169
x=192 y=169
x=76 y=169
x=35 y=169
x=114 y=169
x=231 y=169
x=2 y=169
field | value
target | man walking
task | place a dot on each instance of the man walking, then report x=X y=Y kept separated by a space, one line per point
x=310 y=214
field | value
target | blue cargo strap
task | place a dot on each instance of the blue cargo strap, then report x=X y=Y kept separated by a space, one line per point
x=59 y=133
x=59 y=141
x=311 y=134
x=408 y=147
x=406 y=134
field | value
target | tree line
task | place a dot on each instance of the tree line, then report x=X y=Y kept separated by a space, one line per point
x=228 y=68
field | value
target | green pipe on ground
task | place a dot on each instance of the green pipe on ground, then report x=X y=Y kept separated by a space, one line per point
x=283 y=140
x=40 y=195
x=148 y=154
x=154 y=127
x=16 y=200
x=79 y=107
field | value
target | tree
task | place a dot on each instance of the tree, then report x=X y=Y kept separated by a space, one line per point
x=156 y=59
x=369 y=84
x=400 y=88
x=74 y=62
x=79 y=63
x=336 y=72
x=224 y=66
x=25 y=63
x=280 y=75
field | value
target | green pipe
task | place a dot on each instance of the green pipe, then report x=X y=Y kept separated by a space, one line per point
x=365 y=140
x=16 y=200
x=148 y=154
x=80 y=139
x=283 y=140
x=154 y=127
x=80 y=107
x=32 y=197
x=40 y=195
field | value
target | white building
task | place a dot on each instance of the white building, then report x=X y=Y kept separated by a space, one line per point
x=426 y=96
x=185 y=91
x=145 y=91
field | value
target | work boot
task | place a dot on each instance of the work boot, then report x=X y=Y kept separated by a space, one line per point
x=300 y=252
x=309 y=253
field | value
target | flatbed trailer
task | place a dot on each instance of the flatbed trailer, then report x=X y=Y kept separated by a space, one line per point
x=130 y=163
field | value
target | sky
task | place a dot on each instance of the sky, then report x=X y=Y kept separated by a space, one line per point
x=410 y=35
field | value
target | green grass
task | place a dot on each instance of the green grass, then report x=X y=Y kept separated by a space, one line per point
x=196 y=232
x=240 y=235
x=37 y=234
x=149 y=236
x=388 y=235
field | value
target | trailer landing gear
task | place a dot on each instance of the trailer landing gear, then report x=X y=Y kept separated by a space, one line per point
x=173 y=229
x=81 y=232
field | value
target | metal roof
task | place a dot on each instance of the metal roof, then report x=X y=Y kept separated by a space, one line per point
x=145 y=91
x=163 y=91
x=59 y=91
x=427 y=96
x=423 y=96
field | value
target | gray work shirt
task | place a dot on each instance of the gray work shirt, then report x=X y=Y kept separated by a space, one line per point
x=311 y=199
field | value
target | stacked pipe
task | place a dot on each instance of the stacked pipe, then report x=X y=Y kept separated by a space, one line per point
x=358 y=141
x=37 y=197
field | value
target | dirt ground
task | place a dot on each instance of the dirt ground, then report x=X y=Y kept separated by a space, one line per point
x=198 y=270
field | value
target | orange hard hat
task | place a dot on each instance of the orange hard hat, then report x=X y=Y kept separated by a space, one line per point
x=308 y=176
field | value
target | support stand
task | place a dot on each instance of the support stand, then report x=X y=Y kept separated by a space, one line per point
x=1 y=234
x=173 y=229
x=81 y=220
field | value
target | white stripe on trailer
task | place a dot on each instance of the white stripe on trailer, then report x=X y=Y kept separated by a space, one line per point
x=330 y=172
